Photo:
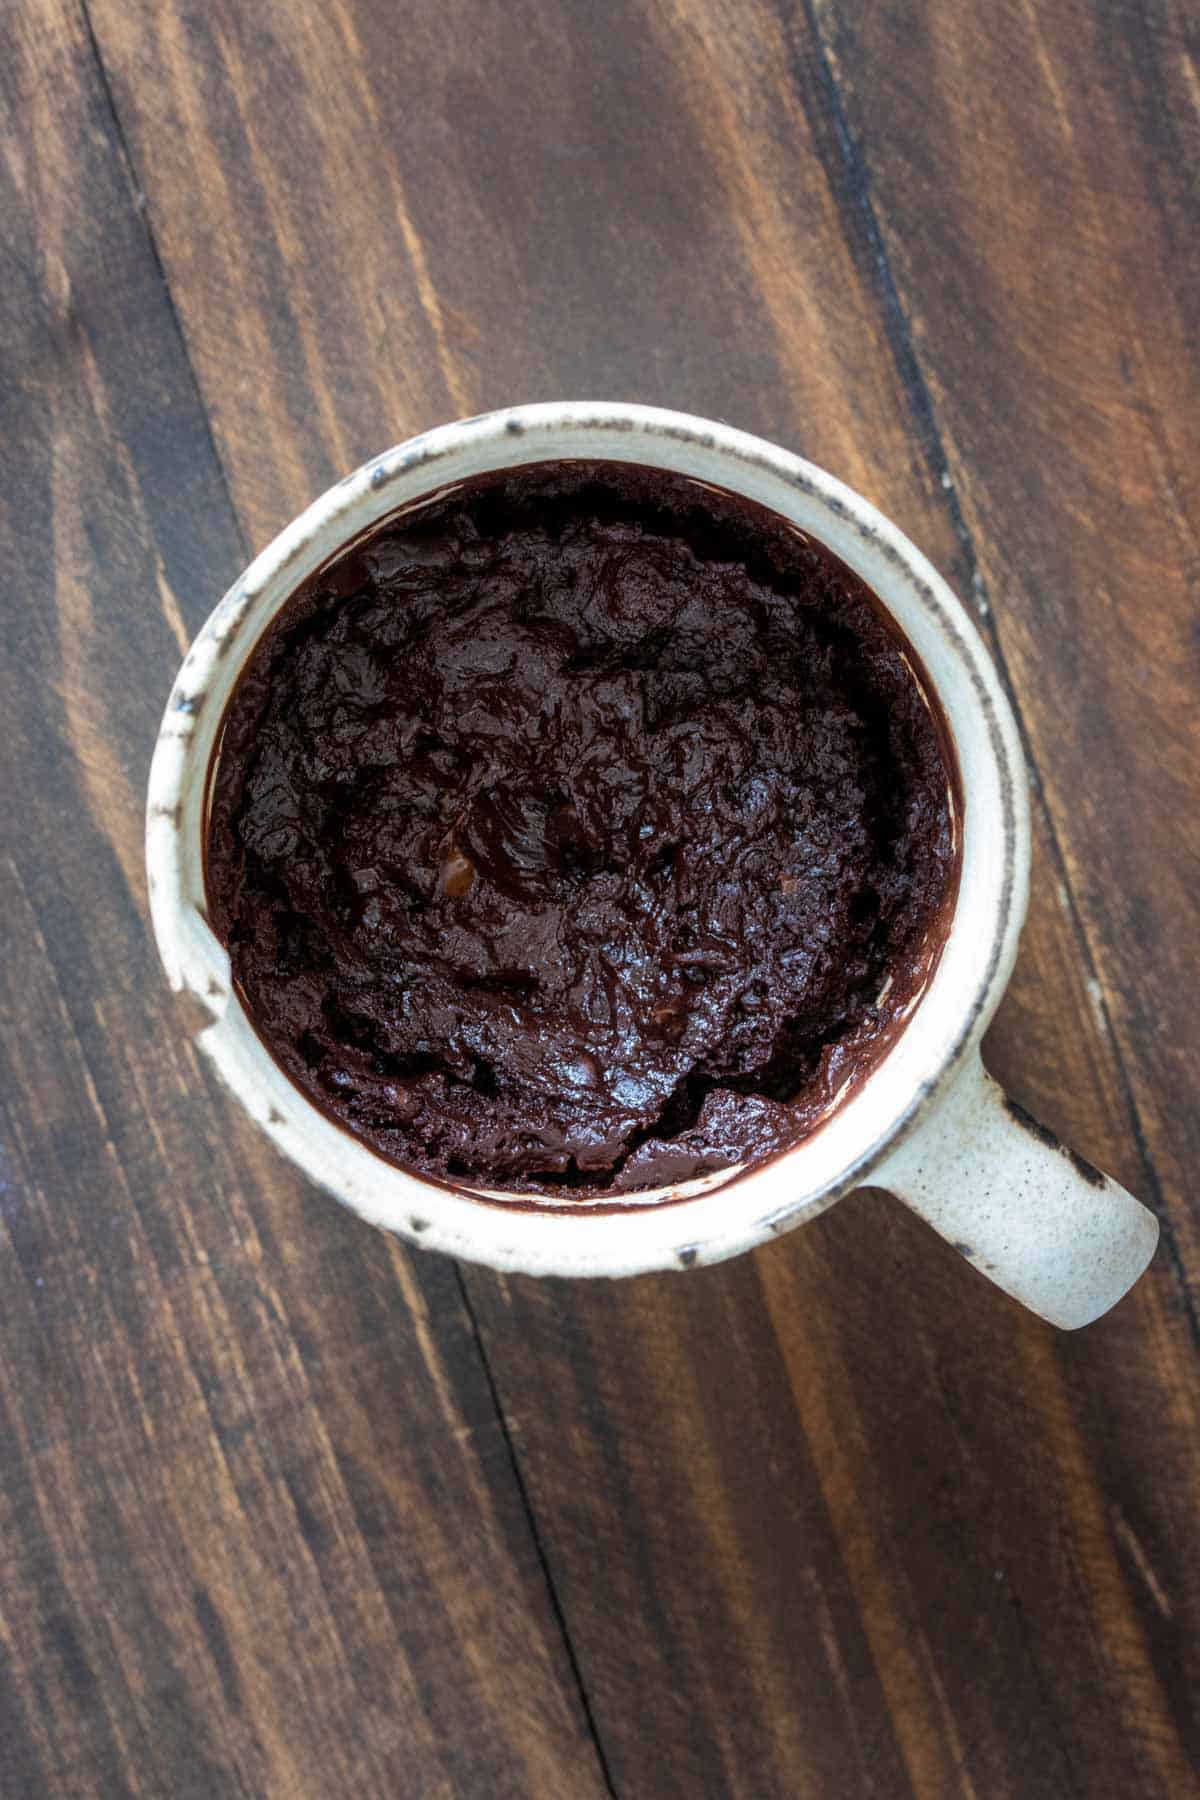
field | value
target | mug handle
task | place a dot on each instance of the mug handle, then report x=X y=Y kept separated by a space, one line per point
x=1026 y=1211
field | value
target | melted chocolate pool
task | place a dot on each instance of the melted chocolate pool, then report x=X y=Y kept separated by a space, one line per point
x=565 y=834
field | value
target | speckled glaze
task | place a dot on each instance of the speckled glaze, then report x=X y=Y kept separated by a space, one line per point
x=1018 y=1204
x=927 y=1123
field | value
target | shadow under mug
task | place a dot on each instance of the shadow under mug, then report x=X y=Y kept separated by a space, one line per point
x=926 y=1122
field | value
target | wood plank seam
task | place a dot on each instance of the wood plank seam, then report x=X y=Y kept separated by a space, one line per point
x=556 y=1604
x=141 y=206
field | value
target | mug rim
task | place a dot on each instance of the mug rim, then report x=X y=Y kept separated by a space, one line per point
x=712 y=1218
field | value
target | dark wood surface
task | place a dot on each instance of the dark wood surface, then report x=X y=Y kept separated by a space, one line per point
x=286 y=1509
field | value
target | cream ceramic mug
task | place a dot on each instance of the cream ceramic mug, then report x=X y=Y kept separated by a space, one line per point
x=927 y=1122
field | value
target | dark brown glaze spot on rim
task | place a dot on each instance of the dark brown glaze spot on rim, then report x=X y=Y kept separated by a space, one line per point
x=687 y=1256
x=418 y=1225
x=215 y=989
x=223 y=644
x=420 y=452
x=173 y=814
x=966 y=1250
x=514 y=426
x=414 y=457
x=188 y=703
x=275 y=1117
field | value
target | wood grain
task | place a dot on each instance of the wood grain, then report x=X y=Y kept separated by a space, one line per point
x=834 y=1519
x=1077 y=481
x=261 y=1527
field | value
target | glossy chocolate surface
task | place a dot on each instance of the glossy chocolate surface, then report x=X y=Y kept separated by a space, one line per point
x=582 y=832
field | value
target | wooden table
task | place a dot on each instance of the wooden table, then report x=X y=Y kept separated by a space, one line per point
x=289 y=1510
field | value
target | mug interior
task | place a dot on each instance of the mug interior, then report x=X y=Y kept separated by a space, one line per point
x=731 y=1210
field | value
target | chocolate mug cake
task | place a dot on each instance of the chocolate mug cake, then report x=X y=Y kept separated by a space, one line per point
x=581 y=831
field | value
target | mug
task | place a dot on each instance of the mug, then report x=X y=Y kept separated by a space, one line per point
x=926 y=1122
